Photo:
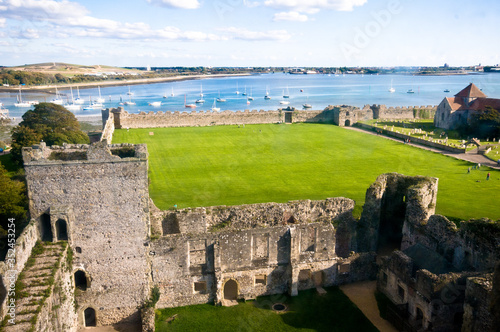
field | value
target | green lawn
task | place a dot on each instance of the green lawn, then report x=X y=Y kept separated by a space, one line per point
x=231 y=165
x=306 y=312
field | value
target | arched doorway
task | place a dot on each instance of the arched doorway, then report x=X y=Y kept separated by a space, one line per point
x=81 y=280
x=347 y=123
x=89 y=315
x=61 y=230
x=231 y=290
x=46 y=228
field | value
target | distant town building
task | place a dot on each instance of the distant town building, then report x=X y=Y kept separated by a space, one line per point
x=454 y=112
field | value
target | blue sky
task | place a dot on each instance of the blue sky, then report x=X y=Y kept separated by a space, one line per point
x=250 y=32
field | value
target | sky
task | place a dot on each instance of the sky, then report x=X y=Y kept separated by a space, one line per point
x=330 y=33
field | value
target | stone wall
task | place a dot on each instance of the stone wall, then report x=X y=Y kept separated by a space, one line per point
x=123 y=119
x=478 y=295
x=108 y=120
x=392 y=202
x=249 y=216
x=102 y=200
x=14 y=262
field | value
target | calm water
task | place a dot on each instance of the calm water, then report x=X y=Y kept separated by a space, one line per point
x=318 y=90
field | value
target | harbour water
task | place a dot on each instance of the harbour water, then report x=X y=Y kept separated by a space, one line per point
x=317 y=90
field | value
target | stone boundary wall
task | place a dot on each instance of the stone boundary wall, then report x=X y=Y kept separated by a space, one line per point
x=22 y=251
x=160 y=119
x=412 y=139
x=249 y=216
x=108 y=120
x=392 y=113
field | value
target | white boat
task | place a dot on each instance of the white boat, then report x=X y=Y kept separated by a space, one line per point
x=284 y=102
x=155 y=104
x=100 y=99
x=307 y=105
x=57 y=100
x=214 y=107
x=267 y=97
x=201 y=93
x=78 y=100
x=165 y=95
x=250 y=97
x=172 y=94
x=92 y=105
x=244 y=93
x=391 y=89
x=200 y=101
x=220 y=100
x=410 y=91
x=72 y=106
x=129 y=92
x=188 y=105
x=21 y=103
x=237 y=91
x=287 y=95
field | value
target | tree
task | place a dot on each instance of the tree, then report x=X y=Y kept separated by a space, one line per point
x=485 y=123
x=49 y=122
x=12 y=201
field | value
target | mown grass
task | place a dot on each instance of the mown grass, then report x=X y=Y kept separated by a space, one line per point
x=231 y=165
x=333 y=312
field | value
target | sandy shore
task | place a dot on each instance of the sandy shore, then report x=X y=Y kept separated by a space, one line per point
x=89 y=85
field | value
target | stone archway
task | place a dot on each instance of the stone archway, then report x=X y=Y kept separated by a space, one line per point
x=347 y=123
x=81 y=280
x=231 y=290
x=89 y=317
x=46 y=228
x=61 y=230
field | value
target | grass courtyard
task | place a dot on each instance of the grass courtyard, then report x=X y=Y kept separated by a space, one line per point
x=231 y=165
x=306 y=312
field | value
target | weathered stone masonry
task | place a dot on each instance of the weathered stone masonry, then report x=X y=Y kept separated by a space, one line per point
x=103 y=200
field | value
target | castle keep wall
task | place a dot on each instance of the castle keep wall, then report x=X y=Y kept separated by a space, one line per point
x=105 y=201
x=123 y=119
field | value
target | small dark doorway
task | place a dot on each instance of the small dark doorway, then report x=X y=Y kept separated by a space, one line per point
x=288 y=117
x=231 y=290
x=419 y=318
x=80 y=280
x=46 y=228
x=89 y=315
x=392 y=217
x=347 y=123
x=62 y=230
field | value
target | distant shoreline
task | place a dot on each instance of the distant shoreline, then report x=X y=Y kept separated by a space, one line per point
x=90 y=85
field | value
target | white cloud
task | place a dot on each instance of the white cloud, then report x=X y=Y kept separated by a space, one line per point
x=313 y=6
x=41 y=10
x=184 y=4
x=290 y=16
x=2 y=22
x=245 y=34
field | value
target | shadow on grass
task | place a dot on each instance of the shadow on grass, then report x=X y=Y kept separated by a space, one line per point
x=306 y=312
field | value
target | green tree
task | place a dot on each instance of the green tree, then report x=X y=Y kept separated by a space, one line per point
x=12 y=201
x=49 y=122
x=486 y=123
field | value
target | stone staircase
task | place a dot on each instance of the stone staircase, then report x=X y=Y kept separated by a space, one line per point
x=35 y=283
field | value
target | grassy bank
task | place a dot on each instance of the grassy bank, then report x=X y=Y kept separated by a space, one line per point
x=231 y=165
x=306 y=312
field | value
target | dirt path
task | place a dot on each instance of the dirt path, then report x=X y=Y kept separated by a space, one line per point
x=471 y=157
x=362 y=294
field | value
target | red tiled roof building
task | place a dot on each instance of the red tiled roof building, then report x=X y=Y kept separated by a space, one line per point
x=453 y=112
